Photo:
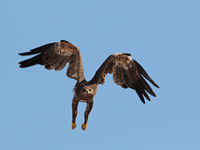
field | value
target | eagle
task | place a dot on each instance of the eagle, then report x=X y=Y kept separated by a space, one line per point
x=127 y=73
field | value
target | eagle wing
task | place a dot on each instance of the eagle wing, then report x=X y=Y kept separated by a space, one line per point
x=56 y=56
x=127 y=73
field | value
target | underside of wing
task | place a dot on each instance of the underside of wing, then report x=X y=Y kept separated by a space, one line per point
x=127 y=73
x=56 y=56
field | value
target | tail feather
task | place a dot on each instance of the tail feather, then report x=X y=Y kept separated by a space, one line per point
x=30 y=62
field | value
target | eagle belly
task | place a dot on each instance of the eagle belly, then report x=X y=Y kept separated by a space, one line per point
x=85 y=97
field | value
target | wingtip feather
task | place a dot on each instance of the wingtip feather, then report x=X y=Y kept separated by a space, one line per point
x=140 y=96
x=21 y=54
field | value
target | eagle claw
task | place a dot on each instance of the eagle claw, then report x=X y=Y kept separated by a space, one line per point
x=73 y=125
x=84 y=126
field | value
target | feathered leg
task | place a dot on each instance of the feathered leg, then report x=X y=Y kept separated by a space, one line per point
x=74 y=112
x=86 y=114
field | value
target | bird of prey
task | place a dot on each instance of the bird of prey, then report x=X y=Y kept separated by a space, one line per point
x=127 y=73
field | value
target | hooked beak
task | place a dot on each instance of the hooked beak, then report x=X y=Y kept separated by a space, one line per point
x=85 y=91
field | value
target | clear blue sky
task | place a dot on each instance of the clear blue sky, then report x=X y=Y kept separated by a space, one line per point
x=35 y=104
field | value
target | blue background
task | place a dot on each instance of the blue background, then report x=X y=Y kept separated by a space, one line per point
x=35 y=104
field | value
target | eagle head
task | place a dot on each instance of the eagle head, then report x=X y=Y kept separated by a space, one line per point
x=86 y=91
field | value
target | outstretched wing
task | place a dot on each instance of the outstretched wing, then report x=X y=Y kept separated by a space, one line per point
x=56 y=56
x=127 y=73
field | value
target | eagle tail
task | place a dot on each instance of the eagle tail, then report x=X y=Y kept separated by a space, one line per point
x=30 y=62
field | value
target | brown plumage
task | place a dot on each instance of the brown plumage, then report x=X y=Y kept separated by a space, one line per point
x=127 y=73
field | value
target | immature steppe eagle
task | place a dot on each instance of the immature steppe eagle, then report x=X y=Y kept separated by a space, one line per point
x=127 y=73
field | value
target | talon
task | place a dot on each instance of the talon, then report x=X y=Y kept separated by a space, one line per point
x=84 y=126
x=73 y=125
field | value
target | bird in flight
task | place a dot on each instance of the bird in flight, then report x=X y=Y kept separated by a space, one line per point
x=127 y=73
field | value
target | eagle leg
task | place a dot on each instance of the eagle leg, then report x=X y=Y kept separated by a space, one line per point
x=74 y=112
x=86 y=114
